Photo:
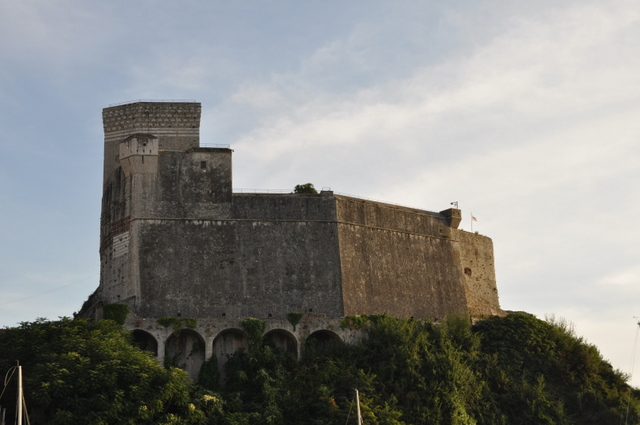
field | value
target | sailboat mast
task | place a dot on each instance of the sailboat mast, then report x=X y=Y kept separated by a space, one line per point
x=19 y=395
x=358 y=407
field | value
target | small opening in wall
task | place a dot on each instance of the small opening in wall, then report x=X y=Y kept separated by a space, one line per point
x=179 y=314
x=203 y=164
x=270 y=315
x=224 y=314
x=467 y=271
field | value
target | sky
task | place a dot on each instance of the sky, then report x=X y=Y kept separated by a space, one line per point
x=525 y=113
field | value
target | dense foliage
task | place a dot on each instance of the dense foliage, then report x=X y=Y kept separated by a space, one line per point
x=305 y=188
x=77 y=372
x=511 y=370
x=116 y=312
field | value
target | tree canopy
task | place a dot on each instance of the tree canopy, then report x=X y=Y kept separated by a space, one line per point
x=305 y=188
x=79 y=372
x=503 y=370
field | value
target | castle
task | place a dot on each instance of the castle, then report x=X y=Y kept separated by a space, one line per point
x=176 y=242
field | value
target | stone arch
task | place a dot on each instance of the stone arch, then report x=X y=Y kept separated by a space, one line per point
x=225 y=344
x=185 y=349
x=145 y=341
x=321 y=341
x=284 y=340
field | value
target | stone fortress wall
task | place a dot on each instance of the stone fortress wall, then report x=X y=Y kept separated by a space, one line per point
x=177 y=242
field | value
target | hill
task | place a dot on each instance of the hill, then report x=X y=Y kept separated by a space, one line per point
x=503 y=370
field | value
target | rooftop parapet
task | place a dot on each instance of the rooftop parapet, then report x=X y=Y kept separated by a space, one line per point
x=158 y=118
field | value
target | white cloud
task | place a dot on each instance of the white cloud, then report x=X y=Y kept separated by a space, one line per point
x=517 y=99
x=628 y=277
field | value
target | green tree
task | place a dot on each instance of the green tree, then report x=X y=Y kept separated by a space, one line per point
x=500 y=371
x=79 y=372
x=539 y=372
x=305 y=188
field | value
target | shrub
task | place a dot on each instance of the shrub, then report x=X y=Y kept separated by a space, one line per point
x=294 y=318
x=116 y=312
x=305 y=188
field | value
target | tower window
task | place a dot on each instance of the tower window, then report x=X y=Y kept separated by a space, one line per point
x=203 y=164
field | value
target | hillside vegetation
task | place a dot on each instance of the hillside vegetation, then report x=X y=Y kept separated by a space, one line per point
x=511 y=370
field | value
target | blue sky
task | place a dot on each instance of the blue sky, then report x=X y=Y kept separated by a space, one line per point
x=526 y=113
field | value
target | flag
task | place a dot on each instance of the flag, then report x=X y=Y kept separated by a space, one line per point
x=473 y=218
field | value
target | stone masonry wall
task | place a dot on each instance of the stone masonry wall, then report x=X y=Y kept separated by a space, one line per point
x=244 y=267
x=477 y=260
x=191 y=184
x=398 y=261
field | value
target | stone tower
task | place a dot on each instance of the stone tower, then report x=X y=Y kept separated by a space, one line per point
x=142 y=139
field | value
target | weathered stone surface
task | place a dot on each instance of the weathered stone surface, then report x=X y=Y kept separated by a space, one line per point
x=476 y=257
x=236 y=268
x=398 y=261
